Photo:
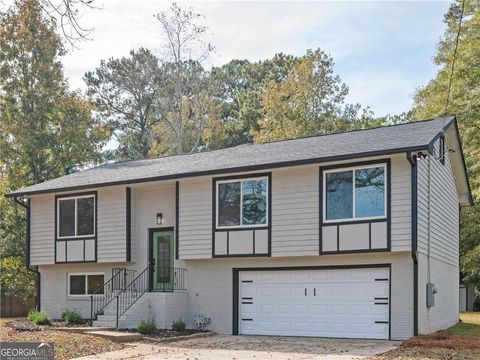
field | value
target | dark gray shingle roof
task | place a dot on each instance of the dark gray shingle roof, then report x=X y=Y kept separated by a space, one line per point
x=383 y=140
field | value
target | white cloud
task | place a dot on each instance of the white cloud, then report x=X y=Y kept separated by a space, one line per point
x=382 y=50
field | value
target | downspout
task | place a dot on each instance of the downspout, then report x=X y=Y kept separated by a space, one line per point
x=429 y=219
x=27 y=250
x=413 y=178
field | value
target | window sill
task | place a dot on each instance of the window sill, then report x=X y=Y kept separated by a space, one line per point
x=353 y=221
x=237 y=228
x=88 y=237
x=78 y=297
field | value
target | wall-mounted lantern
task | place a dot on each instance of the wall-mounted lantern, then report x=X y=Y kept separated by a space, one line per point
x=159 y=218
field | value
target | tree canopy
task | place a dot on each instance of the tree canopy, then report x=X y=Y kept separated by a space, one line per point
x=463 y=101
x=46 y=129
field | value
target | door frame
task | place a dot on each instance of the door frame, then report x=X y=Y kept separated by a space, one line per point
x=236 y=285
x=150 y=250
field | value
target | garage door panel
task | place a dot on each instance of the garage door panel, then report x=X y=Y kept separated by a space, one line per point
x=326 y=303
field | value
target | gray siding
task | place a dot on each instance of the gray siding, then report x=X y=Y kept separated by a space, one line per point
x=42 y=230
x=111 y=224
x=401 y=204
x=134 y=225
x=444 y=226
x=111 y=231
x=444 y=244
x=295 y=211
x=195 y=218
x=149 y=200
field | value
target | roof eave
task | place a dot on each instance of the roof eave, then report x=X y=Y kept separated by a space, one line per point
x=223 y=171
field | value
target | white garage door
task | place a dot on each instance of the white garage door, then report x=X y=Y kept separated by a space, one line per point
x=345 y=303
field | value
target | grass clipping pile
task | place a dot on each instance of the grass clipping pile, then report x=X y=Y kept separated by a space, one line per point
x=67 y=345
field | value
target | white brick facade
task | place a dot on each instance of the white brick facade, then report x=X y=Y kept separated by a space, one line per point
x=210 y=285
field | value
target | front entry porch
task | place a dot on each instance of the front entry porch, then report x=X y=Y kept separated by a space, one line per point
x=130 y=296
x=163 y=307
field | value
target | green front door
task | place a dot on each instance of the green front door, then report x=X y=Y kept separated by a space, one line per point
x=161 y=258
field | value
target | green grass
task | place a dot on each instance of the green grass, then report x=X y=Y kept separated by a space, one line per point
x=470 y=325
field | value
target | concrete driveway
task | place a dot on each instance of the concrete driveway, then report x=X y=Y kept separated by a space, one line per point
x=220 y=347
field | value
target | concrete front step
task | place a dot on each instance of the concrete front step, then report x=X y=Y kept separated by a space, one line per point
x=105 y=324
x=111 y=309
x=106 y=317
x=109 y=316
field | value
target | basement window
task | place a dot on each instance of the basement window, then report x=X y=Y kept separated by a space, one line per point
x=85 y=283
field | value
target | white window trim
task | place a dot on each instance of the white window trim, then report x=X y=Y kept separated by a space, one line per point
x=354 y=218
x=241 y=180
x=76 y=220
x=86 y=282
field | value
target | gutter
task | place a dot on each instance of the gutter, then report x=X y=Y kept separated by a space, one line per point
x=412 y=159
x=27 y=250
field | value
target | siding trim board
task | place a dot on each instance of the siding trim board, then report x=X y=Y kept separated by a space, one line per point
x=66 y=241
x=236 y=271
x=268 y=227
x=388 y=210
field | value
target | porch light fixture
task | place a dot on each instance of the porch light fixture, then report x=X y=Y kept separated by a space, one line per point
x=159 y=218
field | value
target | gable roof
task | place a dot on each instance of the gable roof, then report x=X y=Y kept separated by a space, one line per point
x=393 y=139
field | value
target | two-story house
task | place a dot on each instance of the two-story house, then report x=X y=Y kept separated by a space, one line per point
x=351 y=235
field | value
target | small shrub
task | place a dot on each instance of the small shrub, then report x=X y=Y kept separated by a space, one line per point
x=72 y=317
x=147 y=326
x=39 y=317
x=200 y=321
x=179 y=325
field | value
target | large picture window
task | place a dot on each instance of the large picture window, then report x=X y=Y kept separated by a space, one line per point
x=242 y=202
x=76 y=216
x=85 y=284
x=356 y=193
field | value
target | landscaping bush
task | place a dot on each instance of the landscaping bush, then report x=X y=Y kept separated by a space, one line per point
x=179 y=325
x=39 y=317
x=147 y=326
x=72 y=317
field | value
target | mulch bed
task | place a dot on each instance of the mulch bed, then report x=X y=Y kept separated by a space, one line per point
x=420 y=353
x=27 y=325
x=441 y=345
x=67 y=345
x=443 y=339
x=60 y=323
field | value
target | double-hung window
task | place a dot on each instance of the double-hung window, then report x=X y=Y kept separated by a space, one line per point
x=76 y=216
x=85 y=283
x=242 y=202
x=357 y=193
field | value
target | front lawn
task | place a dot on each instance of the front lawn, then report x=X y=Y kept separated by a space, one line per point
x=470 y=325
x=460 y=342
x=67 y=345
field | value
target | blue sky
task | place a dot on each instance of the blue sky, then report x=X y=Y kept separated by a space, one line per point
x=382 y=50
